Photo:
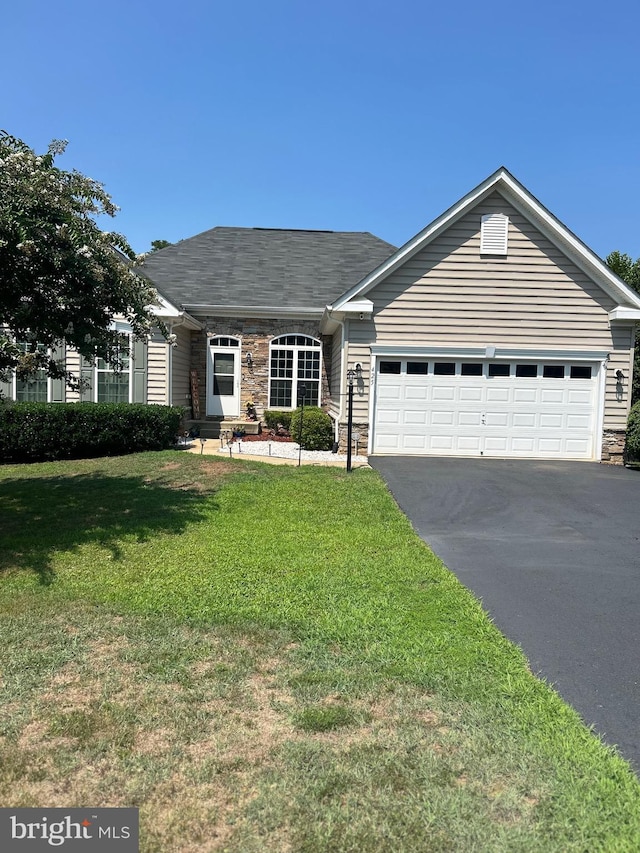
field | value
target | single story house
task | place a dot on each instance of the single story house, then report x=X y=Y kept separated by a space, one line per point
x=493 y=332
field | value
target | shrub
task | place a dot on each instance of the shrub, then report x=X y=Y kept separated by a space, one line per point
x=273 y=417
x=633 y=434
x=31 y=432
x=317 y=428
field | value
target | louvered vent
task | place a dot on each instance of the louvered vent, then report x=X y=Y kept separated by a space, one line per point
x=493 y=234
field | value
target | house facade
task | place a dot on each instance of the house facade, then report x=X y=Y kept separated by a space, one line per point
x=493 y=332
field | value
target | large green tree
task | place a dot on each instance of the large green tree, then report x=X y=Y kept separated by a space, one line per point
x=61 y=276
x=629 y=271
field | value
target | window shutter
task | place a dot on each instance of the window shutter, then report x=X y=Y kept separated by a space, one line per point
x=6 y=390
x=86 y=376
x=140 y=371
x=493 y=234
x=58 y=385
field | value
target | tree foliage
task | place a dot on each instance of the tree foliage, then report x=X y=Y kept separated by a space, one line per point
x=156 y=245
x=629 y=271
x=61 y=276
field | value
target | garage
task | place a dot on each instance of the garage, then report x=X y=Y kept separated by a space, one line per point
x=520 y=407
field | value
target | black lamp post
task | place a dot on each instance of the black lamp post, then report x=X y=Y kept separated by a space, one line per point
x=355 y=373
x=302 y=393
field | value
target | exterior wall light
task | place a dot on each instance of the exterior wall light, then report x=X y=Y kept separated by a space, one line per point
x=249 y=358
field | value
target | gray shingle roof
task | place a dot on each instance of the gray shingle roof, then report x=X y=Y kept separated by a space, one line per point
x=264 y=267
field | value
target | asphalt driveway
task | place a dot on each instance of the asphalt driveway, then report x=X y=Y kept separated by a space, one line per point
x=553 y=551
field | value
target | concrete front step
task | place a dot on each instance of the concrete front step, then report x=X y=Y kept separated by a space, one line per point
x=211 y=428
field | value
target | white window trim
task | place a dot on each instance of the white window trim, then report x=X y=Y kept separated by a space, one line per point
x=125 y=329
x=295 y=348
x=14 y=384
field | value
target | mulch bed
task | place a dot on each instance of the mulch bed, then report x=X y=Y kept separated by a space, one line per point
x=266 y=436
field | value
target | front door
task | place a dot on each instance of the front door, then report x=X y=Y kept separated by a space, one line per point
x=223 y=377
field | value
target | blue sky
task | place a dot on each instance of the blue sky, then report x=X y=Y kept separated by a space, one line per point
x=365 y=116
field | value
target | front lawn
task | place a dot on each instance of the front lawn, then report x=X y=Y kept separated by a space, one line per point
x=268 y=658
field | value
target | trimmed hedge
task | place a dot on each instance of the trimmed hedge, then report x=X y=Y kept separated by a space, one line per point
x=273 y=417
x=633 y=434
x=32 y=432
x=317 y=429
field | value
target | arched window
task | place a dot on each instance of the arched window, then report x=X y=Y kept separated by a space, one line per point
x=294 y=362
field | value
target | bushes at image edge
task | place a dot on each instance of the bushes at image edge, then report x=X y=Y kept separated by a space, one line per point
x=31 y=432
x=317 y=428
x=633 y=434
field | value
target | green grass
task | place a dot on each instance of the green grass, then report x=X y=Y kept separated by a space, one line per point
x=268 y=658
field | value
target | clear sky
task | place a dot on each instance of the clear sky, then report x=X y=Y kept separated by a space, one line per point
x=365 y=116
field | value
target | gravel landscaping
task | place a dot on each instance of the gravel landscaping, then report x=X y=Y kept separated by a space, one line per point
x=282 y=450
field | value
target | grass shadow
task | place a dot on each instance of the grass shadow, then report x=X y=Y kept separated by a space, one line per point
x=41 y=516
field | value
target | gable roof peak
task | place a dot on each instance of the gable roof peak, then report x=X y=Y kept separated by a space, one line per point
x=527 y=205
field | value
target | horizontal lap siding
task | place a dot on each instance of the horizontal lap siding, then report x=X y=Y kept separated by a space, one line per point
x=533 y=298
x=157 y=367
x=181 y=362
x=336 y=369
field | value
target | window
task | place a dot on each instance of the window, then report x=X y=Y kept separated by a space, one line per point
x=294 y=362
x=472 y=369
x=389 y=367
x=417 y=367
x=499 y=369
x=553 y=371
x=114 y=387
x=581 y=371
x=527 y=371
x=36 y=388
x=444 y=368
x=101 y=384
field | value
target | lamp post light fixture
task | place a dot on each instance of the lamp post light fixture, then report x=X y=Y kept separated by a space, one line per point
x=352 y=373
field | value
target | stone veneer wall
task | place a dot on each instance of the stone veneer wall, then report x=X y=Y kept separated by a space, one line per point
x=255 y=335
x=613 y=442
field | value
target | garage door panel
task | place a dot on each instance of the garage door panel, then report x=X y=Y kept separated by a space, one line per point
x=389 y=392
x=443 y=392
x=443 y=418
x=470 y=395
x=510 y=416
x=415 y=392
x=416 y=417
x=497 y=419
x=552 y=396
x=498 y=395
x=525 y=395
x=524 y=420
x=578 y=421
x=469 y=419
x=551 y=421
x=578 y=397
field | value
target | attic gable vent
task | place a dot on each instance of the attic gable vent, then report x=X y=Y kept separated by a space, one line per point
x=493 y=234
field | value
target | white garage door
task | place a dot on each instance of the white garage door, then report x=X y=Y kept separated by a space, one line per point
x=486 y=408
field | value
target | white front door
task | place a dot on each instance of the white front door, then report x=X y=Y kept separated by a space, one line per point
x=223 y=377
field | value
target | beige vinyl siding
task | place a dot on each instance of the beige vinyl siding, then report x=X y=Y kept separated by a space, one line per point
x=72 y=358
x=336 y=370
x=157 y=370
x=359 y=353
x=449 y=294
x=617 y=397
x=533 y=298
x=181 y=362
